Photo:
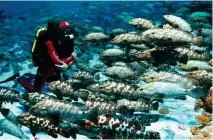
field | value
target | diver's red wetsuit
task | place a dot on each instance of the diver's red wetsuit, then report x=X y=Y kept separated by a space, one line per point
x=47 y=70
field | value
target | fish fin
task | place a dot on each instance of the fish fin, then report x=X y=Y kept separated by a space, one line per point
x=198 y=40
x=73 y=133
x=155 y=105
x=147 y=99
x=25 y=104
x=78 y=104
x=181 y=98
x=124 y=110
x=2 y=132
x=184 y=59
x=33 y=132
x=134 y=85
x=80 y=123
x=158 y=100
x=25 y=137
x=160 y=96
x=121 y=102
x=194 y=82
x=59 y=96
x=67 y=100
x=155 y=117
x=145 y=111
x=175 y=26
x=107 y=115
x=93 y=114
x=196 y=92
x=111 y=36
x=193 y=68
x=54 y=135
x=81 y=101
x=55 y=119
x=5 y=111
x=25 y=96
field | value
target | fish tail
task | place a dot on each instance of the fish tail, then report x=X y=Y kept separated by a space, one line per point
x=155 y=118
x=196 y=92
x=68 y=133
x=124 y=110
x=198 y=40
x=93 y=114
x=5 y=111
x=25 y=137
x=155 y=105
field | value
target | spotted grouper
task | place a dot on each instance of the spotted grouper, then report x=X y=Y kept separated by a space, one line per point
x=62 y=110
x=160 y=90
x=158 y=36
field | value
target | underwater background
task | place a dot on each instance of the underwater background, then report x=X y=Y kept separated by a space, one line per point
x=144 y=83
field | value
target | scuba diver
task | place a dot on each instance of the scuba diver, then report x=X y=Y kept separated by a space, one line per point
x=51 y=53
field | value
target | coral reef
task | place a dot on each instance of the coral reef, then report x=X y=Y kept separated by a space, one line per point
x=204 y=119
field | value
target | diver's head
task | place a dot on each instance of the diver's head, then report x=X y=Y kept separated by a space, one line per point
x=60 y=30
x=66 y=30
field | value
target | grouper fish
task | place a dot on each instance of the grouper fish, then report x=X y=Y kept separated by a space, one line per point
x=9 y=95
x=11 y=128
x=36 y=124
x=159 y=90
x=9 y=115
x=62 y=110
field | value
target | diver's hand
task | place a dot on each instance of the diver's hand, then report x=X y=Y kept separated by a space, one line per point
x=63 y=67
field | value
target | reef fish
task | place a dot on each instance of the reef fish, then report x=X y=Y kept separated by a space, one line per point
x=203 y=77
x=82 y=75
x=178 y=22
x=113 y=128
x=62 y=110
x=120 y=72
x=127 y=38
x=9 y=115
x=142 y=23
x=198 y=49
x=140 y=117
x=195 y=65
x=192 y=55
x=138 y=106
x=160 y=90
x=211 y=62
x=9 y=95
x=168 y=77
x=11 y=128
x=35 y=97
x=107 y=107
x=60 y=88
x=117 y=89
x=158 y=36
x=36 y=124
x=112 y=52
x=95 y=37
